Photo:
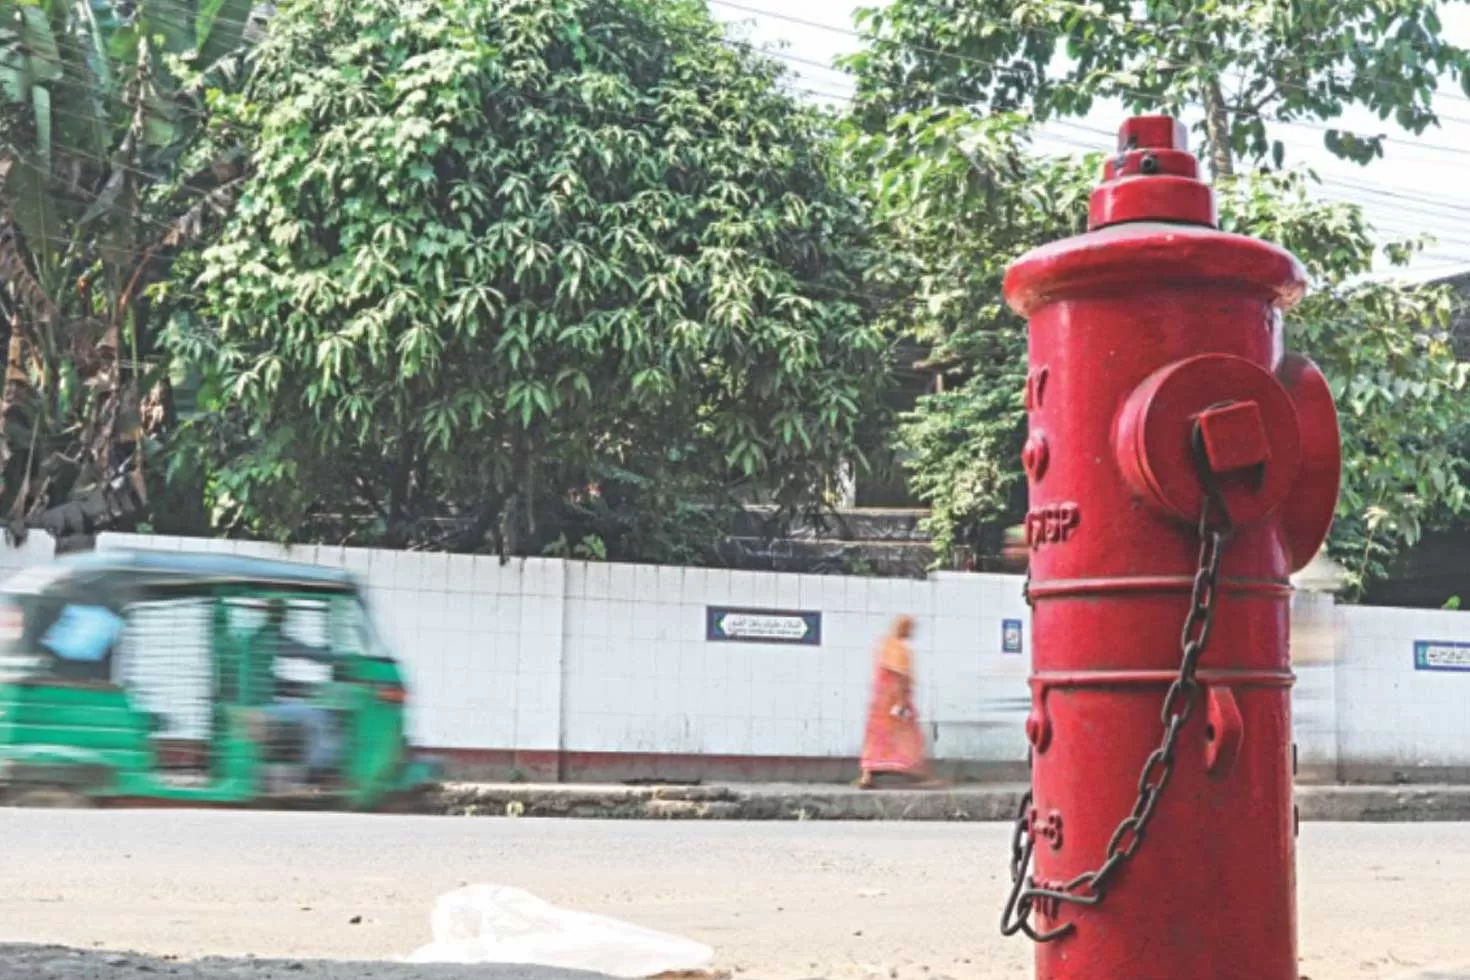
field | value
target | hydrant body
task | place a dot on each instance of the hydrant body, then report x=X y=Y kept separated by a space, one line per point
x=1159 y=386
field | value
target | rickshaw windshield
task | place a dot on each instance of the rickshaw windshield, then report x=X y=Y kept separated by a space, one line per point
x=336 y=624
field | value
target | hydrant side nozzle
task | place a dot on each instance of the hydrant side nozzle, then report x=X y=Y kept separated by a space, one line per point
x=1250 y=429
x=1306 y=515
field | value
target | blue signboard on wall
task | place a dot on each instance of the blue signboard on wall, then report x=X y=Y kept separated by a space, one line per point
x=1441 y=655
x=1010 y=636
x=726 y=625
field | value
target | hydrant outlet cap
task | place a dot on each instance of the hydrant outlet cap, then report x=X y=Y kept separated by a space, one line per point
x=1153 y=177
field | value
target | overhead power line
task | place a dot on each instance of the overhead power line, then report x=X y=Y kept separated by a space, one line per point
x=971 y=59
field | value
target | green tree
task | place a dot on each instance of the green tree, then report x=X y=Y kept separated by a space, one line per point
x=98 y=102
x=957 y=199
x=1246 y=64
x=945 y=175
x=539 y=270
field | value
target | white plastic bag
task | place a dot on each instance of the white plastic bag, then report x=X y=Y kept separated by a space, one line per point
x=498 y=924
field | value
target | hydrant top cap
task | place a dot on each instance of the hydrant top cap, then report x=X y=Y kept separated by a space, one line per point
x=1152 y=225
x=1152 y=133
x=1153 y=177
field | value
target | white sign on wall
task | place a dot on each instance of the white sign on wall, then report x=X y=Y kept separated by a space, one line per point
x=762 y=626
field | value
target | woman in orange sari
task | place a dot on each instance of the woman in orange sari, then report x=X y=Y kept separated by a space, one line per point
x=893 y=743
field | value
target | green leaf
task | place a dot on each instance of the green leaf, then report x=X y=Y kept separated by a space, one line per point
x=41 y=116
x=170 y=22
x=34 y=208
x=219 y=28
x=43 y=62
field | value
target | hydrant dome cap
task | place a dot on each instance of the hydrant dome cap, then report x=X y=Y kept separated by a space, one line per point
x=1153 y=255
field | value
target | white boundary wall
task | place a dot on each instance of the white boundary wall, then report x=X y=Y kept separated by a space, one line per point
x=555 y=659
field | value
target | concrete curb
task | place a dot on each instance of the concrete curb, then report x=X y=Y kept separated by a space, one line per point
x=1384 y=804
x=1370 y=804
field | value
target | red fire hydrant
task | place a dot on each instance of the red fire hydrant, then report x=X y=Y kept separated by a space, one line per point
x=1181 y=466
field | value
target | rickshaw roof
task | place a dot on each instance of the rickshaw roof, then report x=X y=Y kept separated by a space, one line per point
x=144 y=567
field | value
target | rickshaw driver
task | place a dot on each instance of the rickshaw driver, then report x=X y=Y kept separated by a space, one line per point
x=270 y=643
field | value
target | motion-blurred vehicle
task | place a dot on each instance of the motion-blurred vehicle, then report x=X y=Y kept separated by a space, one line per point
x=178 y=679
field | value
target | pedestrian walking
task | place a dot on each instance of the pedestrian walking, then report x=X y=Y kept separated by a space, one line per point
x=893 y=743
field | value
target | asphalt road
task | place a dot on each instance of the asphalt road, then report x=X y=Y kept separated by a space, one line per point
x=778 y=901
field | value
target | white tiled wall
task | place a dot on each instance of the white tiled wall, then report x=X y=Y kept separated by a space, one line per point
x=1392 y=715
x=549 y=655
x=641 y=676
x=972 y=693
x=37 y=550
x=1316 y=640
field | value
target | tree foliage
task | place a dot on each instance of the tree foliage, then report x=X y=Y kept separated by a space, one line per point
x=98 y=103
x=957 y=199
x=1247 y=64
x=543 y=270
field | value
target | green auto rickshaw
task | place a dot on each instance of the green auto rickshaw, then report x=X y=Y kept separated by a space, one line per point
x=169 y=678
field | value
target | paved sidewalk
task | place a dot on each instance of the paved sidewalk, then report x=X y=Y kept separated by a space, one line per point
x=782 y=899
x=1375 y=804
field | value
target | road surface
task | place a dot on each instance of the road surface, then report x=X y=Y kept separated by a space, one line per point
x=778 y=901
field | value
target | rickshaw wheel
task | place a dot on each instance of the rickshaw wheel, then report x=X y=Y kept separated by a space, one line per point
x=49 y=798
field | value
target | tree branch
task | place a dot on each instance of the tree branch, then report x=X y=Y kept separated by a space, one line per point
x=1217 y=127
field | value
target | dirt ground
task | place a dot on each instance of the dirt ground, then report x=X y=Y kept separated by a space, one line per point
x=777 y=901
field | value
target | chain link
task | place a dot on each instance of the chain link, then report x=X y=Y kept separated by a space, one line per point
x=1180 y=701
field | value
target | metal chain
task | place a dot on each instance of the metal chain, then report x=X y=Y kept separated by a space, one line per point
x=1087 y=889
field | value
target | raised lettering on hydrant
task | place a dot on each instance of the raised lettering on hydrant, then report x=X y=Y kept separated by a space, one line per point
x=1181 y=467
